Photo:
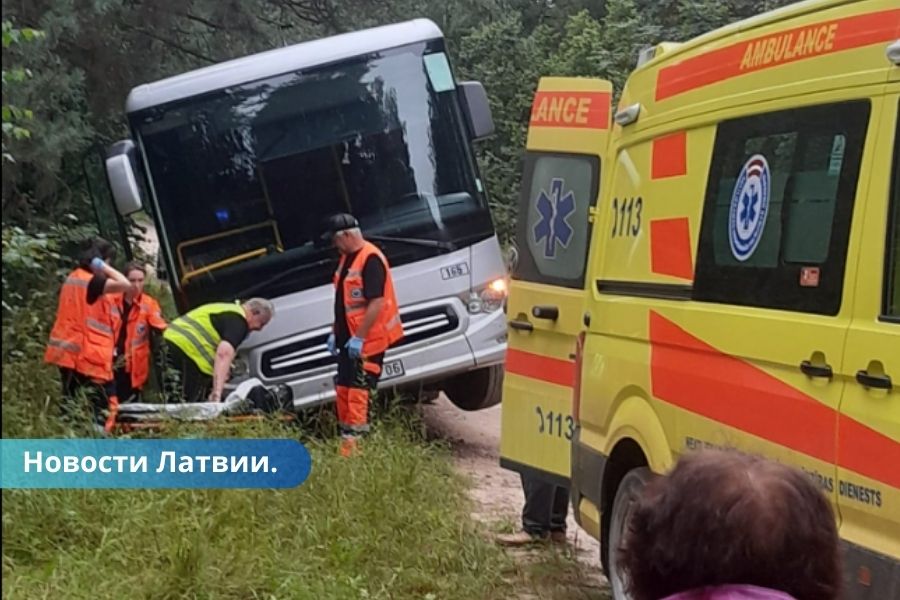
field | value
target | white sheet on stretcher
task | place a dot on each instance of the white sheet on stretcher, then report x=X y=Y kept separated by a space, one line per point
x=236 y=403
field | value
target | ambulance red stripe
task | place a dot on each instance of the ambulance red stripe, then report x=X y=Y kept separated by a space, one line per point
x=579 y=110
x=670 y=247
x=669 y=156
x=543 y=368
x=783 y=47
x=689 y=373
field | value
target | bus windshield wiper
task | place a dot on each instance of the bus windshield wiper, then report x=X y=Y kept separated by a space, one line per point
x=449 y=246
x=293 y=270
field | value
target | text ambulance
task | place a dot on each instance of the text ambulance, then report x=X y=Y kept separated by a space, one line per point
x=737 y=283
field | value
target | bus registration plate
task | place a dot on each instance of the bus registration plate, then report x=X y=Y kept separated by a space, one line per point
x=392 y=369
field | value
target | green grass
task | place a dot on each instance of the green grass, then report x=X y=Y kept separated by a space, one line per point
x=392 y=523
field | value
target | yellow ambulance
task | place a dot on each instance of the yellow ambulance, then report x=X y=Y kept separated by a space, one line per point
x=740 y=278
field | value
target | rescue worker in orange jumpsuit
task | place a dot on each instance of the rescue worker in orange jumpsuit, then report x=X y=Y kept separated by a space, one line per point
x=366 y=324
x=82 y=341
x=140 y=316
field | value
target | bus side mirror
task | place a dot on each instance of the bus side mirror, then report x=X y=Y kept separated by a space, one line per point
x=478 y=109
x=122 y=177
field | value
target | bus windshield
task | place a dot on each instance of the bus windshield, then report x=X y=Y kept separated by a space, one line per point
x=243 y=177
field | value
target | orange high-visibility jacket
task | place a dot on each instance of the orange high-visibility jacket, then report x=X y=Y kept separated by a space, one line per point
x=387 y=329
x=83 y=335
x=144 y=314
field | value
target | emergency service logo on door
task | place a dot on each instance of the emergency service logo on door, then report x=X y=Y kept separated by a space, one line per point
x=749 y=207
x=554 y=209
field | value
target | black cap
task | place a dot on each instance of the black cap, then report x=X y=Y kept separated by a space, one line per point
x=339 y=222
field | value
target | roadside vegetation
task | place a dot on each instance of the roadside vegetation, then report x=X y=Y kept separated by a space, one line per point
x=393 y=523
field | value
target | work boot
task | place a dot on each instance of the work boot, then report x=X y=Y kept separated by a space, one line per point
x=558 y=537
x=349 y=447
x=520 y=538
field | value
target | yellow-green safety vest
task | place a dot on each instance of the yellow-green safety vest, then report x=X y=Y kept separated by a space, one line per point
x=194 y=334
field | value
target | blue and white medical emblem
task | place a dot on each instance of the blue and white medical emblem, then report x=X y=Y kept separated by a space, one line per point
x=749 y=207
x=554 y=209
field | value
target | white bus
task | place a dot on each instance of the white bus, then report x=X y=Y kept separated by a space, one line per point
x=239 y=163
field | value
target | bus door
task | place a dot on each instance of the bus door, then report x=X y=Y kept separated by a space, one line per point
x=567 y=138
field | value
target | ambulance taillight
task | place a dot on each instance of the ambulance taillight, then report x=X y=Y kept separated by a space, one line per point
x=576 y=386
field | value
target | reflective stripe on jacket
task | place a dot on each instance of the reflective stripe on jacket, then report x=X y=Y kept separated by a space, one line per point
x=387 y=329
x=194 y=334
x=83 y=335
x=144 y=315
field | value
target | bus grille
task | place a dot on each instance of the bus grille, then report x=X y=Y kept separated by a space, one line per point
x=311 y=353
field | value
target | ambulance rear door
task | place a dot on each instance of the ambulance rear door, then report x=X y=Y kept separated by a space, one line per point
x=567 y=139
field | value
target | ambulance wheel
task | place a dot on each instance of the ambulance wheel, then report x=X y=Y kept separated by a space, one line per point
x=623 y=506
x=477 y=389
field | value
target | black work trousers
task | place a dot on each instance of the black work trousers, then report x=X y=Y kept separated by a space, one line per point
x=123 y=386
x=76 y=386
x=546 y=506
x=183 y=381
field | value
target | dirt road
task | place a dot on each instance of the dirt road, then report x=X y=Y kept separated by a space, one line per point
x=475 y=439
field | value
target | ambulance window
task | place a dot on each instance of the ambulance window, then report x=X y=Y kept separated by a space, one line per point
x=892 y=255
x=553 y=233
x=776 y=221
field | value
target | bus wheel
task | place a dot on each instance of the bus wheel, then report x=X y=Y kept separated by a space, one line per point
x=476 y=389
x=623 y=505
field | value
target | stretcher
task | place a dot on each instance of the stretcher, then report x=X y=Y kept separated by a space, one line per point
x=250 y=400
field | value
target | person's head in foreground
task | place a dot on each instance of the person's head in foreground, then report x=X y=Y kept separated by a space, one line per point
x=724 y=525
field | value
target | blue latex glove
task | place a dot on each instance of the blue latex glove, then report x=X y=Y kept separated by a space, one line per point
x=354 y=347
x=97 y=264
x=332 y=347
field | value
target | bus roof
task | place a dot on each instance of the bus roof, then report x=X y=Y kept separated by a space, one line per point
x=278 y=61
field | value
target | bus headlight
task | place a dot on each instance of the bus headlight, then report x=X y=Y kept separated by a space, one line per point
x=493 y=295
x=240 y=367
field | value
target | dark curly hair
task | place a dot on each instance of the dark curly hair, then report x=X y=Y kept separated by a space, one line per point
x=95 y=248
x=725 y=517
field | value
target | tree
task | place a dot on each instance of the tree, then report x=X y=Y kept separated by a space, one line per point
x=507 y=61
x=13 y=116
x=95 y=51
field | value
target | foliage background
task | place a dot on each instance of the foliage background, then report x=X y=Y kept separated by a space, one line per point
x=67 y=68
x=69 y=64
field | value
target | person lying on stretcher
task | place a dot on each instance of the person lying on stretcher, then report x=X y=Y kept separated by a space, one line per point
x=250 y=398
